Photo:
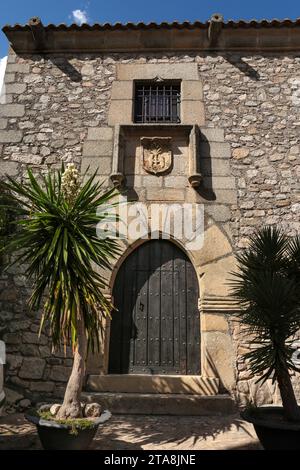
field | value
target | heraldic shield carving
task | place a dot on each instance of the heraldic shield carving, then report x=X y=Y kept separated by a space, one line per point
x=157 y=154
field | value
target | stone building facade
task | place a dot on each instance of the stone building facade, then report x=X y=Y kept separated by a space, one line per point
x=70 y=96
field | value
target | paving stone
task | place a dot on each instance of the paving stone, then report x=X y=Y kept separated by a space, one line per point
x=155 y=433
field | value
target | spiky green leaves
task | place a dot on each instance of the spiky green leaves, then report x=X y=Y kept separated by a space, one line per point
x=60 y=251
x=267 y=288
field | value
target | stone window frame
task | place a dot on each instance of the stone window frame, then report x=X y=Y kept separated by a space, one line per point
x=157 y=83
x=121 y=109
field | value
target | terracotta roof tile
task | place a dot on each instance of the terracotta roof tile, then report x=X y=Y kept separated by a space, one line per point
x=263 y=23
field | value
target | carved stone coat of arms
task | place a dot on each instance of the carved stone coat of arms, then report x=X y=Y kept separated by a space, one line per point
x=157 y=154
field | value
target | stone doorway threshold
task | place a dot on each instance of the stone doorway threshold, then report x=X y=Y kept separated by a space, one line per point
x=175 y=404
x=154 y=384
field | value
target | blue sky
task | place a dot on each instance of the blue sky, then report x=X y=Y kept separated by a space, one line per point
x=60 y=11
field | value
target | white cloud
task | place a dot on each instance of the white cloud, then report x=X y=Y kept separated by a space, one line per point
x=80 y=16
x=3 y=62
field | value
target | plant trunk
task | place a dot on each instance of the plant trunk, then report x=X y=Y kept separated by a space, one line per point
x=71 y=407
x=289 y=402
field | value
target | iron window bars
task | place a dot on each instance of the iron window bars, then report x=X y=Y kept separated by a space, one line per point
x=157 y=102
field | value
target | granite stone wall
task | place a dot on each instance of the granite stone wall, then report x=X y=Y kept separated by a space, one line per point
x=255 y=100
x=50 y=105
x=53 y=108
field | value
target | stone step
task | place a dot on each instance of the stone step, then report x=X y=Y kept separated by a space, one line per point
x=163 y=404
x=146 y=384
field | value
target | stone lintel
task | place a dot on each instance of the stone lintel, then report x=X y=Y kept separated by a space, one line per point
x=166 y=71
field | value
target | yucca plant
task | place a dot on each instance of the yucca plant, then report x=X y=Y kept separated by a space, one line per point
x=267 y=289
x=57 y=244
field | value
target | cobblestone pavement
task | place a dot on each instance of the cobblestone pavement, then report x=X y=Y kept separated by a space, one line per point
x=146 y=432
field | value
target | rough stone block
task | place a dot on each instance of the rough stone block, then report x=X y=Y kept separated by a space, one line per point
x=220 y=182
x=6 y=99
x=60 y=373
x=214 y=150
x=100 y=133
x=212 y=322
x=152 y=182
x=15 y=88
x=179 y=71
x=13 y=361
x=219 y=357
x=175 y=181
x=9 y=77
x=225 y=196
x=122 y=90
x=215 y=246
x=34 y=338
x=165 y=195
x=220 y=213
x=97 y=148
x=191 y=90
x=101 y=165
x=12 y=57
x=7 y=137
x=215 y=276
x=46 y=387
x=8 y=168
x=32 y=368
x=20 y=68
x=3 y=123
x=120 y=112
x=192 y=112
x=211 y=134
x=214 y=166
x=134 y=181
x=12 y=110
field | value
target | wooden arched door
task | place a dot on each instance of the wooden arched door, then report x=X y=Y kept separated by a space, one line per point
x=156 y=327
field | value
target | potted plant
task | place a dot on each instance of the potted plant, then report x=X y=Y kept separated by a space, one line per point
x=57 y=243
x=267 y=289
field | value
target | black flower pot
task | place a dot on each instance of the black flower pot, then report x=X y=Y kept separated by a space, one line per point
x=55 y=436
x=272 y=428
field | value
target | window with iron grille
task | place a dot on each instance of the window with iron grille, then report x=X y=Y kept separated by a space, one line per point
x=157 y=102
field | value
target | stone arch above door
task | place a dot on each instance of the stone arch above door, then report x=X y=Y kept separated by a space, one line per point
x=156 y=326
x=212 y=263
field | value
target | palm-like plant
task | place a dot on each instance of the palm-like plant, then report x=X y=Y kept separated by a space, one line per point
x=267 y=288
x=58 y=245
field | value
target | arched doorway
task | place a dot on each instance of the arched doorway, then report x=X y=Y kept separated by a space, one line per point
x=156 y=328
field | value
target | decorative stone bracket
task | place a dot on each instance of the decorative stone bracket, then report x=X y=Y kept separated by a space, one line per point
x=215 y=28
x=118 y=177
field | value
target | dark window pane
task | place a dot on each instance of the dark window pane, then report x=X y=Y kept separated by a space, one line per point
x=157 y=102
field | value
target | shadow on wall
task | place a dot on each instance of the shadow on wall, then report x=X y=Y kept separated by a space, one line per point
x=204 y=167
x=67 y=68
x=244 y=67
